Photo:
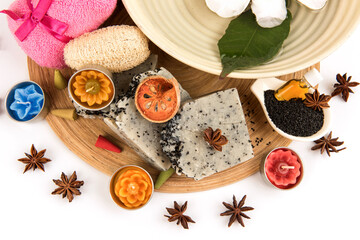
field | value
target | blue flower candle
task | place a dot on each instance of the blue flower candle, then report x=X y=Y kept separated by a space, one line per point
x=25 y=101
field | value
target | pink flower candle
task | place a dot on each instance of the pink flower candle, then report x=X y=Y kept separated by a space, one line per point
x=283 y=168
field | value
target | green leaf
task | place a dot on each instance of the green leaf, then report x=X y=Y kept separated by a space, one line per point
x=246 y=44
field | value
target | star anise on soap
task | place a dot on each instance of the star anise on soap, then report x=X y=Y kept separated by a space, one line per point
x=343 y=86
x=316 y=101
x=329 y=144
x=215 y=138
x=236 y=211
x=68 y=187
x=177 y=213
x=34 y=160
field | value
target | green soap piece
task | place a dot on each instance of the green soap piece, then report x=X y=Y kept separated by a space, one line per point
x=69 y=114
x=163 y=177
x=59 y=80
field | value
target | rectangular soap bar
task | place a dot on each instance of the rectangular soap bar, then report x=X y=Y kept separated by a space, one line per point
x=140 y=134
x=183 y=137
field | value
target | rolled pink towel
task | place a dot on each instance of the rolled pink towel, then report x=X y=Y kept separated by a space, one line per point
x=81 y=16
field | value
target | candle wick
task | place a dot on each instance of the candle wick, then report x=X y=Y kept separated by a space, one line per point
x=287 y=167
x=89 y=89
x=24 y=103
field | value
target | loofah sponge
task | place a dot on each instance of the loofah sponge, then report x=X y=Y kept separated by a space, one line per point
x=81 y=16
x=118 y=48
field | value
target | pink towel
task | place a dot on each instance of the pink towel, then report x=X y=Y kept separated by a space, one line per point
x=81 y=15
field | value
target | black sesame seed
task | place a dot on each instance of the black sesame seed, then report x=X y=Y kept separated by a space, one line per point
x=293 y=117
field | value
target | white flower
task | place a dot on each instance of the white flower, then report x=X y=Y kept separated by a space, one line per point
x=227 y=8
x=269 y=13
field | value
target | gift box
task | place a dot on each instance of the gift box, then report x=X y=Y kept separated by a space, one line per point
x=43 y=27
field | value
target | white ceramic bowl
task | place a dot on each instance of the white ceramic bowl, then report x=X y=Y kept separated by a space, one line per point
x=264 y=84
x=189 y=31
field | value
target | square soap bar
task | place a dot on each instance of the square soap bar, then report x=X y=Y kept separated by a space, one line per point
x=183 y=137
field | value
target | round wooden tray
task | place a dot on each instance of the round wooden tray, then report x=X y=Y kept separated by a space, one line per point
x=80 y=135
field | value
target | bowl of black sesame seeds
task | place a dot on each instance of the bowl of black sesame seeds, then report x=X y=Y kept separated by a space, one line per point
x=291 y=119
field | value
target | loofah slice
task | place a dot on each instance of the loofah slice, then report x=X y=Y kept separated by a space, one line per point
x=117 y=48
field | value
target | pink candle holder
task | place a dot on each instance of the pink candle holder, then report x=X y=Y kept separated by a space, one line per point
x=282 y=168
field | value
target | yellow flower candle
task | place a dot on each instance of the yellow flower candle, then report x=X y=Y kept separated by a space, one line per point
x=92 y=89
x=131 y=187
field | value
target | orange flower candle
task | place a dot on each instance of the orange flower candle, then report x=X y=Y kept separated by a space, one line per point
x=91 y=89
x=131 y=187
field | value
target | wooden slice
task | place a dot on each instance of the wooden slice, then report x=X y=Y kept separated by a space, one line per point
x=80 y=135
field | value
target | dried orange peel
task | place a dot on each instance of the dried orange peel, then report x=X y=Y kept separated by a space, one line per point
x=158 y=99
x=133 y=188
x=92 y=87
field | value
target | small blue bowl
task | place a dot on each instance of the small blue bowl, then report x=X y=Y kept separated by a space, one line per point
x=10 y=99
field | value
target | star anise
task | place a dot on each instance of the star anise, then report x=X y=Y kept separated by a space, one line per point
x=316 y=101
x=35 y=159
x=177 y=213
x=215 y=138
x=343 y=86
x=68 y=187
x=236 y=211
x=329 y=144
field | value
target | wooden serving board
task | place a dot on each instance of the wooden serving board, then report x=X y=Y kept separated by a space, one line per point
x=80 y=135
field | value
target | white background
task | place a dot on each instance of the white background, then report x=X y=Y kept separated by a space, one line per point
x=325 y=205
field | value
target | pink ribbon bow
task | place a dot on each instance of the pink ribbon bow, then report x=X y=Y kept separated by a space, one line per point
x=37 y=16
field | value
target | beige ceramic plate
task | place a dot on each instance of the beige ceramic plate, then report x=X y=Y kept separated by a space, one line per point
x=189 y=31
